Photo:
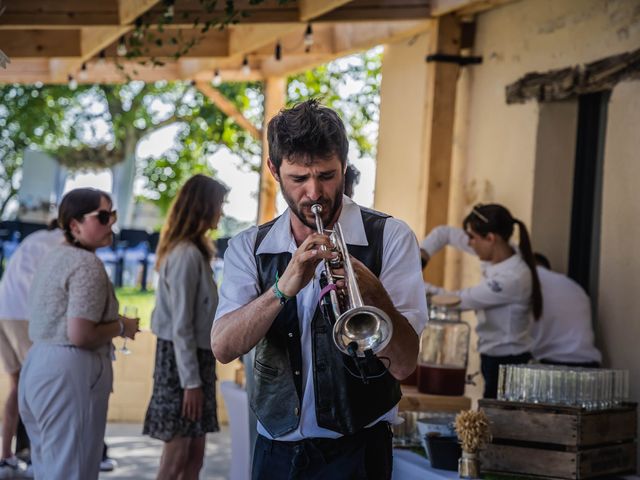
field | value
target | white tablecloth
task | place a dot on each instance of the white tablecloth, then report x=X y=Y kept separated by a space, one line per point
x=408 y=465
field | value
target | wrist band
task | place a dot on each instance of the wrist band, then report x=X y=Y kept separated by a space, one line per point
x=121 y=334
x=279 y=295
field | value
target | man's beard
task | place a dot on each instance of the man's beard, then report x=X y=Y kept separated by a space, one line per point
x=329 y=208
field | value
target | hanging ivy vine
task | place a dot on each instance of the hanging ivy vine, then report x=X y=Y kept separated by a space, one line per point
x=149 y=27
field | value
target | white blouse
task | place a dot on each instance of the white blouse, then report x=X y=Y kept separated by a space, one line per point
x=502 y=300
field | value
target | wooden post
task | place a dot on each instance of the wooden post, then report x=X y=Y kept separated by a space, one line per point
x=274 y=100
x=442 y=79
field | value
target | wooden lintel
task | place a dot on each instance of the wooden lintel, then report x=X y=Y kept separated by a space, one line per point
x=129 y=10
x=40 y=43
x=442 y=79
x=228 y=108
x=310 y=9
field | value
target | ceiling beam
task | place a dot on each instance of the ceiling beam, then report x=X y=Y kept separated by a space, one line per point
x=247 y=38
x=129 y=10
x=346 y=40
x=40 y=43
x=310 y=9
x=463 y=7
x=60 y=13
x=214 y=43
x=228 y=108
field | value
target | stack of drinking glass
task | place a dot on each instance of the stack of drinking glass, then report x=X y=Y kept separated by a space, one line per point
x=589 y=388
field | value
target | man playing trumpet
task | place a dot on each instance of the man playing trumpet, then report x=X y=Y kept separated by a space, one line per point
x=317 y=418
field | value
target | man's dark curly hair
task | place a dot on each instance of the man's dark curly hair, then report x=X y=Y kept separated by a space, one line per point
x=306 y=132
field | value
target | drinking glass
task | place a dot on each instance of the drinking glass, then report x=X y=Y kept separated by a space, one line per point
x=130 y=312
x=502 y=379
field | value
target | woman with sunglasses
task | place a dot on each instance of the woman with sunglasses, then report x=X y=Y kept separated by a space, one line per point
x=509 y=293
x=182 y=409
x=73 y=317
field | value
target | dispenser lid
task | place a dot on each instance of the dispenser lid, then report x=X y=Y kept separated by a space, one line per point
x=445 y=300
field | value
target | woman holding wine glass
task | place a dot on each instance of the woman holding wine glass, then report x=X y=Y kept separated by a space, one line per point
x=182 y=409
x=73 y=317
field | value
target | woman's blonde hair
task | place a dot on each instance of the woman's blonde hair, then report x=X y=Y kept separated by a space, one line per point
x=191 y=215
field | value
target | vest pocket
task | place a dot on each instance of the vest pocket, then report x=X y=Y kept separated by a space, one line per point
x=265 y=370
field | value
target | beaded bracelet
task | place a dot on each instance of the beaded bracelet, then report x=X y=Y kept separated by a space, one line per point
x=278 y=293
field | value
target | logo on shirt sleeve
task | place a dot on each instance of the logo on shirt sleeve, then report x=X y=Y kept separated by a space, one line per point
x=494 y=285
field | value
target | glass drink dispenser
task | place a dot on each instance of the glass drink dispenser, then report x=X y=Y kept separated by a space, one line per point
x=444 y=349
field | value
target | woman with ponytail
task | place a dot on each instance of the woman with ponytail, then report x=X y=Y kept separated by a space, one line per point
x=509 y=294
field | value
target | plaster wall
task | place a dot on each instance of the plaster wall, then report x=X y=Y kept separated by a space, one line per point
x=400 y=188
x=618 y=327
x=500 y=150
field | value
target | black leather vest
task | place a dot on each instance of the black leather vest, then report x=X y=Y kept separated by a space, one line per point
x=344 y=403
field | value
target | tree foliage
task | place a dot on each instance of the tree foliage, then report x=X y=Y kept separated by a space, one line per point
x=97 y=126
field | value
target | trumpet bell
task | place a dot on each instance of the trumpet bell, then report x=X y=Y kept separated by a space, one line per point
x=369 y=327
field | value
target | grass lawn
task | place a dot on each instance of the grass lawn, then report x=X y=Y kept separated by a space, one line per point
x=144 y=301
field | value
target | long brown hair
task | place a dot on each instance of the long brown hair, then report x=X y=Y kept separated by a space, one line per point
x=191 y=215
x=494 y=218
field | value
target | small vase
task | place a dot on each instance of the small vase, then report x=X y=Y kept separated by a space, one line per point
x=468 y=466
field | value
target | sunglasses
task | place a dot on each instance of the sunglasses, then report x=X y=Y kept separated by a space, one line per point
x=103 y=216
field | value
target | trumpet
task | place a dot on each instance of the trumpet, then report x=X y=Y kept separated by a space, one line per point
x=359 y=330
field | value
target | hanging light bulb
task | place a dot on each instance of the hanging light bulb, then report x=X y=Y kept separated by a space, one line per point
x=217 y=78
x=137 y=32
x=101 y=57
x=122 y=47
x=83 y=74
x=168 y=13
x=278 y=52
x=246 y=69
x=308 y=38
x=73 y=84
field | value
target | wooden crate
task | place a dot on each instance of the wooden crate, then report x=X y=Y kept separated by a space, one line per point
x=560 y=442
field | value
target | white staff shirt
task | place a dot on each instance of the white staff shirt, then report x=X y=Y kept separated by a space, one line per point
x=502 y=300
x=563 y=333
x=21 y=268
x=400 y=276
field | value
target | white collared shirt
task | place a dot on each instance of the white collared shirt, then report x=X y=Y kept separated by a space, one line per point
x=502 y=300
x=22 y=266
x=563 y=333
x=400 y=276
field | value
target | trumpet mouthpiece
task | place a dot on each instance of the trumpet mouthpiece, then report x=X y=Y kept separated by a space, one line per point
x=316 y=208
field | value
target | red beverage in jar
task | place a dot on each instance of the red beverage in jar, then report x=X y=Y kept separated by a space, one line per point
x=441 y=380
x=411 y=379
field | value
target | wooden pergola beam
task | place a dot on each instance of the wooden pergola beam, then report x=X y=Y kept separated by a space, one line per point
x=228 y=108
x=440 y=101
x=247 y=38
x=275 y=95
x=129 y=10
x=463 y=7
x=49 y=14
x=310 y=9
x=214 y=43
x=41 y=43
x=344 y=40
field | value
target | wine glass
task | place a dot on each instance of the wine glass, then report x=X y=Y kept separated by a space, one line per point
x=129 y=312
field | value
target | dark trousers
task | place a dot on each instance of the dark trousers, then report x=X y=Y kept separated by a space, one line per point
x=22 y=441
x=364 y=455
x=572 y=364
x=490 y=367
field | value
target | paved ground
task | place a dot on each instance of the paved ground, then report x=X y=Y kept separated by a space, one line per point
x=138 y=456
